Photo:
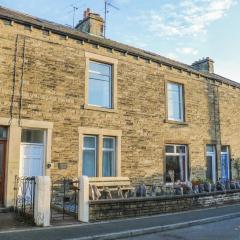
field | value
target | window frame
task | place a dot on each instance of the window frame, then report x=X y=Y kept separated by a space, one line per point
x=182 y=107
x=101 y=133
x=110 y=83
x=175 y=145
x=92 y=57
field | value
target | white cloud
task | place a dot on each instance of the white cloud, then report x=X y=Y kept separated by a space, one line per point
x=172 y=56
x=187 y=51
x=185 y=17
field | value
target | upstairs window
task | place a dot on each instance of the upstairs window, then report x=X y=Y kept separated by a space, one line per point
x=175 y=102
x=100 y=85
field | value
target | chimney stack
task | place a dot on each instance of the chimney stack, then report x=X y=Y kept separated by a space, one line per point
x=92 y=23
x=204 y=65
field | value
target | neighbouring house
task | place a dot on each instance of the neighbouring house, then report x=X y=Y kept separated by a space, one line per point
x=73 y=103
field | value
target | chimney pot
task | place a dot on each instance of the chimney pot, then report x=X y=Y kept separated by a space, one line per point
x=86 y=13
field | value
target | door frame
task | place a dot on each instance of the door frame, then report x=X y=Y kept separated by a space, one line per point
x=2 y=190
x=213 y=156
x=44 y=151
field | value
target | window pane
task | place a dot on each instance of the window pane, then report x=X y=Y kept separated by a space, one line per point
x=89 y=163
x=172 y=169
x=109 y=159
x=108 y=143
x=181 y=149
x=99 y=93
x=100 y=68
x=89 y=142
x=89 y=156
x=1 y=158
x=99 y=77
x=100 y=85
x=108 y=164
x=175 y=105
x=224 y=149
x=169 y=149
x=211 y=148
x=209 y=168
x=32 y=136
x=3 y=133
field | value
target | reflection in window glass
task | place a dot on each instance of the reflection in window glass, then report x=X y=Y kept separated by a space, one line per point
x=100 y=85
x=169 y=149
x=89 y=155
x=175 y=101
x=32 y=136
x=3 y=133
x=109 y=157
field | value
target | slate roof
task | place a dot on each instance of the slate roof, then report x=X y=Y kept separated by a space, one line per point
x=21 y=18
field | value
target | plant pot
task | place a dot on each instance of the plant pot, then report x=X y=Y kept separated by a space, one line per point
x=207 y=187
x=227 y=185
x=195 y=189
x=201 y=188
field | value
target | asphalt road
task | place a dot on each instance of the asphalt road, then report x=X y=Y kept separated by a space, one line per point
x=224 y=230
x=132 y=224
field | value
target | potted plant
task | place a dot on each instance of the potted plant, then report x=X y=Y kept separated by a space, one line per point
x=195 y=184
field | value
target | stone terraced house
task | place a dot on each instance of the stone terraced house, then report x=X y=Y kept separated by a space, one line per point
x=73 y=103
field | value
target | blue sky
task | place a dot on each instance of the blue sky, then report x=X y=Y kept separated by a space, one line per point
x=185 y=30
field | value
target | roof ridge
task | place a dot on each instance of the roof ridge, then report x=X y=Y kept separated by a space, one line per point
x=60 y=28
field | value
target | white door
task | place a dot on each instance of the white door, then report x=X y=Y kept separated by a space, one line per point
x=32 y=159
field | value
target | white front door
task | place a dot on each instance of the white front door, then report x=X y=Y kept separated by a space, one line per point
x=32 y=153
x=32 y=159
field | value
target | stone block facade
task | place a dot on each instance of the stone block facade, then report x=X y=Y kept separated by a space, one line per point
x=43 y=78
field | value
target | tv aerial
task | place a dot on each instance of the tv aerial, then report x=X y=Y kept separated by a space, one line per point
x=107 y=6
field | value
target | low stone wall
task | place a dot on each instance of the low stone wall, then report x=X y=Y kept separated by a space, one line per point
x=134 y=207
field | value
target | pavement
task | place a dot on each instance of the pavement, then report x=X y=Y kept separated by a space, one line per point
x=223 y=230
x=127 y=227
x=9 y=221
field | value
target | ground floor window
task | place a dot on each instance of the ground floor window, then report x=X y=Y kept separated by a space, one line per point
x=211 y=162
x=176 y=163
x=109 y=157
x=101 y=151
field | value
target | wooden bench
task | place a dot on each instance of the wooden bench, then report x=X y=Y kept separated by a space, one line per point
x=106 y=187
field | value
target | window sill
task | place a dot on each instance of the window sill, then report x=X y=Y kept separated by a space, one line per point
x=175 y=122
x=95 y=108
